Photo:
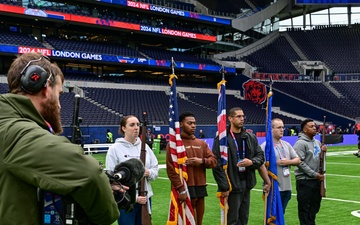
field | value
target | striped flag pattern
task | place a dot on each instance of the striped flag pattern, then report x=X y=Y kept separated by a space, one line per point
x=274 y=211
x=178 y=155
x=221 y=123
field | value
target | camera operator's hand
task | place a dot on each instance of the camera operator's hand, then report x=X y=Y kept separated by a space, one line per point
x=141 y=200
x=119 y=188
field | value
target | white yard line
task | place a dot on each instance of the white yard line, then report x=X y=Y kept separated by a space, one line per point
x=346 y=164
x=329 y=199
x=340 y=153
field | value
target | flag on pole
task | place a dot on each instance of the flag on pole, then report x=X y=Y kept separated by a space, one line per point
x=177 y=213
x=221 y=123
x=274 y=210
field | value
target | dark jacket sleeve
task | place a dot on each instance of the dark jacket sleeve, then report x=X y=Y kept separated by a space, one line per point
x=218 y=171
x=258 y=157
x=172 y=174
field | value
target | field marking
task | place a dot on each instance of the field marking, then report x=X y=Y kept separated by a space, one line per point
x=255 y=189
x=340 y=153
x=356 y=213
x=348 y=164
x=340 y=175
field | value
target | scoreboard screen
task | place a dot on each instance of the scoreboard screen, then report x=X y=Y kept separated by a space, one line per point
x=327 y=2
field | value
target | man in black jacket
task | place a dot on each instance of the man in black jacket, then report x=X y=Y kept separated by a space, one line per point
x=244 y=157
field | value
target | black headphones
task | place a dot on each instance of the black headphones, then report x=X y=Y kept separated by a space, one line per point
x=34 y=77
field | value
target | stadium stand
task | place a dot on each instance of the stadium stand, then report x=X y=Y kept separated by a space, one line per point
x=337 y=47
x=318 y=94
x=274 y=58
x=11 y=38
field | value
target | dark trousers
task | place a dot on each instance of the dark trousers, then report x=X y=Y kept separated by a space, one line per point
x=309 y=200
x=239 y=205
x=285 y=198
x=133 y=217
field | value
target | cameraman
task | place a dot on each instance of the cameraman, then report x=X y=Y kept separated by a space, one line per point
x=32 y=157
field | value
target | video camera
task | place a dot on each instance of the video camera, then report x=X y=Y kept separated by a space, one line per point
x=60 y=210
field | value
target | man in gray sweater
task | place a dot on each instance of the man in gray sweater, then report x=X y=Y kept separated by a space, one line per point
x=308 y=177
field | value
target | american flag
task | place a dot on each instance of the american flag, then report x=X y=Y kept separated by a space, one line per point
x=274 y=210
x=177 y=213
x=221 y=123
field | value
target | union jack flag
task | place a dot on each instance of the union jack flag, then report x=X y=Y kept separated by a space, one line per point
x=177 y=213
x=221 y=123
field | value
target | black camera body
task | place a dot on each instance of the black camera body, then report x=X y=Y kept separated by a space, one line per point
x=56 y=209
x=60 y=210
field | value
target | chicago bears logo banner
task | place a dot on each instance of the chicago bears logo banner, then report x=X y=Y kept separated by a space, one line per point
x=254 y=91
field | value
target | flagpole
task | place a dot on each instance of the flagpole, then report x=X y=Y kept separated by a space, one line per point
x=265 y=207
x=266 y=129
x=173 y=64
x=221 y=120
x=222 y=71
x=226 y=210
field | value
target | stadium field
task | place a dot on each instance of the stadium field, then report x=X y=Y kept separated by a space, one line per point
x=341 y=205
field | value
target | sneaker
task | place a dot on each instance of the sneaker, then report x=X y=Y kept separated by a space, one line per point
x=356 y=154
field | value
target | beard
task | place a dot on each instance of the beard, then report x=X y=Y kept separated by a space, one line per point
x=51 y=114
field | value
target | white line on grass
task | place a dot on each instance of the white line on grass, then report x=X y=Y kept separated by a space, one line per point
x=254 y=189
x=340 y=175
x=347 y=164
x=356 y=213
x=340 y=153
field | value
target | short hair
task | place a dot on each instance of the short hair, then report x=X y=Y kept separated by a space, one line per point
x=14 y=72
x=123 y=122
x=233 y=110
x=184 y=115
x=275 y=119
x=304 y=122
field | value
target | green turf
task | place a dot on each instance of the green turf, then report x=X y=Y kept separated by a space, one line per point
x=342 y=194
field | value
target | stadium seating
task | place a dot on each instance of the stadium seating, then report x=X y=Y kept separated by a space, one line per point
x=14 y=38
x=90 y=113
x=255 y=114
x=157 y=53
x=92 y=47
x=274 y=58
x=318 y=94
x=3 y=88
x=337 y=47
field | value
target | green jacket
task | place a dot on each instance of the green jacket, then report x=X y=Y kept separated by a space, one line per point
x=31 y=158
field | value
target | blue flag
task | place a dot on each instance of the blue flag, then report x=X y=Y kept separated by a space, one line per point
x=274 y=210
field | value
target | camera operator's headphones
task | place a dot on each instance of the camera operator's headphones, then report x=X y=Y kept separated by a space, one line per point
x=34 y=77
